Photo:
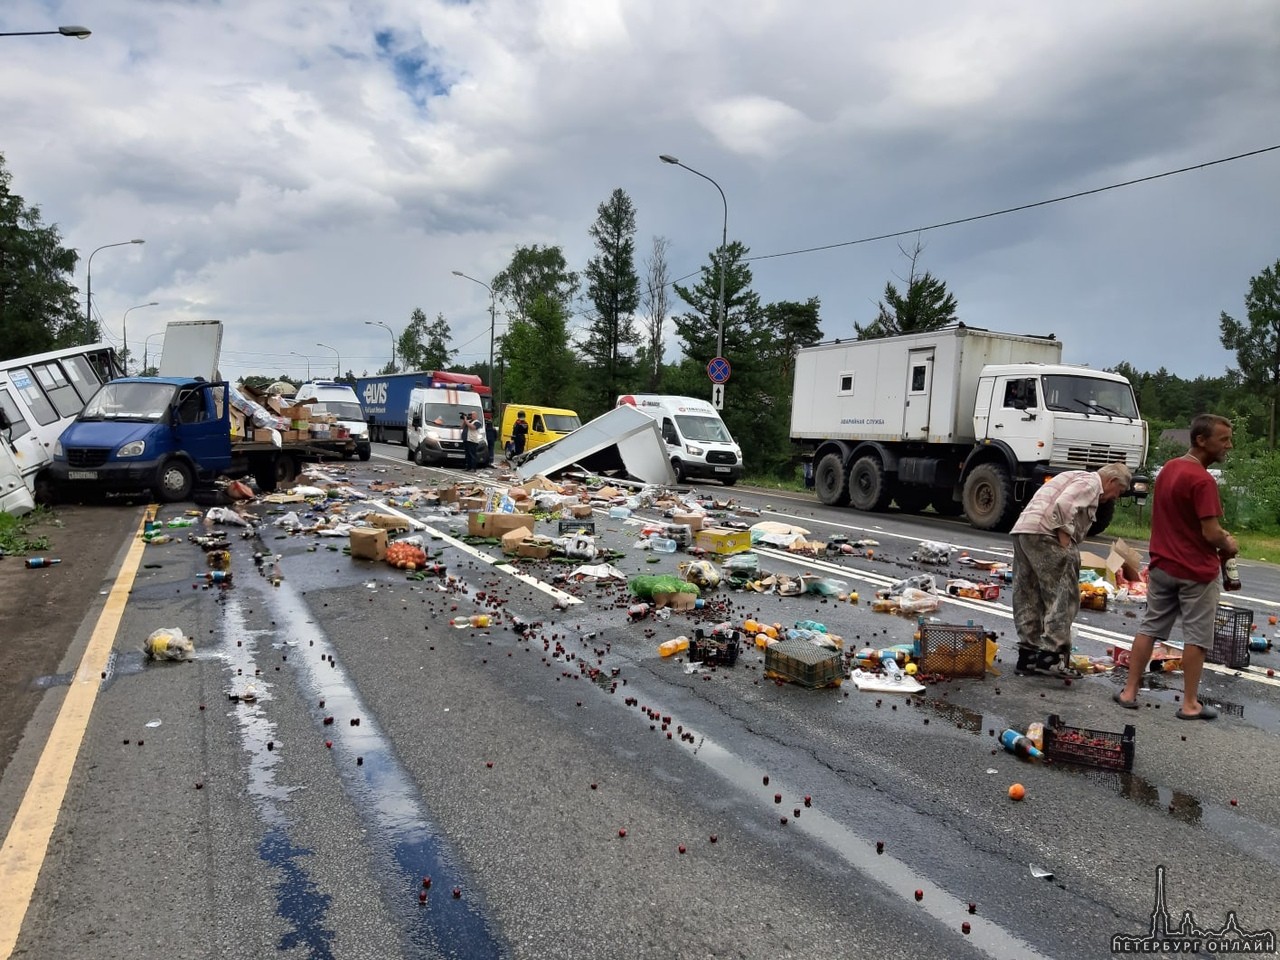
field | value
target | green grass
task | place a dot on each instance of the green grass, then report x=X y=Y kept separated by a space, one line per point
x=1133 y=522
x=15 y=532
x=771 y=481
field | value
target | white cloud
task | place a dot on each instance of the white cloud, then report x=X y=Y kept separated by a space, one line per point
x=308 y=166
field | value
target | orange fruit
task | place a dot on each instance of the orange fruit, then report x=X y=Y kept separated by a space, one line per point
x=1017 y=792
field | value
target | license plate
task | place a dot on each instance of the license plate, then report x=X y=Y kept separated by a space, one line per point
x=722 y=469
x=82 y=474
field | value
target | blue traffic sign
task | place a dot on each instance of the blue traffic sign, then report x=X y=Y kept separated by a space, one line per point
x=718 y=370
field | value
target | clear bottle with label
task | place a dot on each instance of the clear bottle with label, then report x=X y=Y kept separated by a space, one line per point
x=662 y=545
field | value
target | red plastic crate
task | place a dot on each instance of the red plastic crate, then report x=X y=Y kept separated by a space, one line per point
x=1089 y=748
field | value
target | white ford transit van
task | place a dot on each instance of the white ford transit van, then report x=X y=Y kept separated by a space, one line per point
x=697 y=439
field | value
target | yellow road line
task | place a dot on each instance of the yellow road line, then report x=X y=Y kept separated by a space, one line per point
x=25 y=847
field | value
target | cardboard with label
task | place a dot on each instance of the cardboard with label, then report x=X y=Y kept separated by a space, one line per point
x=723 y=540
x=1122 y=558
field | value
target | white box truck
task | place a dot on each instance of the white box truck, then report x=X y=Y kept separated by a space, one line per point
x=966 y=420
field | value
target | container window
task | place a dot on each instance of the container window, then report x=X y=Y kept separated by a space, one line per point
x=846 y=384
x=919 y=377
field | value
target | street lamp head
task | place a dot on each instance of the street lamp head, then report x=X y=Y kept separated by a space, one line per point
x=667 y=158
x=137 y=241
x=458 y=273
x=80 y=33
x=153 y=303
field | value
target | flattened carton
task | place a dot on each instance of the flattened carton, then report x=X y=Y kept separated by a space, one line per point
x=722 y=540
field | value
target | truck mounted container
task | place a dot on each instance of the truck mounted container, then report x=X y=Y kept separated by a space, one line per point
x=385 y=399
x=961 y=419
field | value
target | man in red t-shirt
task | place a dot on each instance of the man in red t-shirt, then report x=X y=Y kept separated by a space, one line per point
x=1188 y=546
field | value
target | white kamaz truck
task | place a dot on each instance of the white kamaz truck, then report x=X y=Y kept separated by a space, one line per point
x=966 y=420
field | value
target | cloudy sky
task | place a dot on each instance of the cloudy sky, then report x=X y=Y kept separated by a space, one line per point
x=298 y=167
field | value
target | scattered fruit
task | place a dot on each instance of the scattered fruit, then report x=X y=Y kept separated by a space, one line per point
x=1017 y=791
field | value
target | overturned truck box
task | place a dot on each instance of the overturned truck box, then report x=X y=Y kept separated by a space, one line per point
x=622 y=442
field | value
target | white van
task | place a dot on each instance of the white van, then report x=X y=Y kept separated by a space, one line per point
x=697 y=439
x=435 y=436
x=329 y=396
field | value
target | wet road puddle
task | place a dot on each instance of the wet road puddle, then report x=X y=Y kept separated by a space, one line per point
x=434 y=919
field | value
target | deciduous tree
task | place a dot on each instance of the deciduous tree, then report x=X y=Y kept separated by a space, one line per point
x=656 y=304
x=1256 y=341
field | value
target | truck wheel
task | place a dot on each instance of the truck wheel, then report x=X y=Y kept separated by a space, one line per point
x=174 y=481
x=678 y=467
x=411 y=453
x=1102 y=519
x=869 y=490
x=286 y=470
x=912 y=499
x=729 y=481
x=830 y=481
x=988 y=498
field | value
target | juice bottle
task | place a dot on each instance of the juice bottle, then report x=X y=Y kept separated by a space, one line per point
x=673 y=646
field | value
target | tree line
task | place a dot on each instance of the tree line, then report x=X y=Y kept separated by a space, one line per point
x=579 y=339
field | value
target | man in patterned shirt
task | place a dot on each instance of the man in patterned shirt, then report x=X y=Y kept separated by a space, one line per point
x=1046 y=563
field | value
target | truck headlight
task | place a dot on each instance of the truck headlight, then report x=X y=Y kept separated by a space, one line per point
x=133 y=449
x=693 y=451
x=57 y=449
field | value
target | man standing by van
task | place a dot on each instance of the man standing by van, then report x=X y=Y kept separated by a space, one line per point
x=519 y=434
x=473 y=441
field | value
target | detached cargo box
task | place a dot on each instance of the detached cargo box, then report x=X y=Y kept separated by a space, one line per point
x=804 y=663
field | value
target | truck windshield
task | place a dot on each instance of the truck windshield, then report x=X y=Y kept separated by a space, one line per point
x=1090 y=395
x=706 y=429
x=559 y=423
x=342 y=409
x=130 y=401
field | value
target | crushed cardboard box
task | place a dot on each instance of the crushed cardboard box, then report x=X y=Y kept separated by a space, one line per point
x=1122 y=558
x=387 y=522
x=497 y=524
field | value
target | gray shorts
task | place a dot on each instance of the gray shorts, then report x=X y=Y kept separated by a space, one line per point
x=1169 y=598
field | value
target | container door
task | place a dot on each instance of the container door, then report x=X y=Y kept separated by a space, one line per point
x=915 y=418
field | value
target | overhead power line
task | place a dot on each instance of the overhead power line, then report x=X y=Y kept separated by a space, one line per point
x=1007 y=210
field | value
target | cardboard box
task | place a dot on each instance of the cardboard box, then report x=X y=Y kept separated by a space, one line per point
x=471 y=503
x=369 y=544
x=447 y=494
x=385 y=521
x=262 y=436
x=533 y=549
x=691 y=520
x=1121 y=558
x=512 y=539
x=722 y=540
x=497 y=524
x=581 y=511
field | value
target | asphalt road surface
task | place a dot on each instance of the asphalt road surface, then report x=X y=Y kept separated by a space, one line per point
x=335 y=743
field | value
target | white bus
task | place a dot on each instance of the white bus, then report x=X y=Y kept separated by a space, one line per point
x=43 y=393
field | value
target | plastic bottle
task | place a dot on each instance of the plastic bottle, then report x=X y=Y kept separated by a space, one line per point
x=891 y=669
x=218 y=576
x=638 y=611
x=34 y=562
x=662 y=544
x=181 y=522
x=1020 y=746
x=1231 y=574
x=1035 y=733
x=619 y=513
x=671 y=647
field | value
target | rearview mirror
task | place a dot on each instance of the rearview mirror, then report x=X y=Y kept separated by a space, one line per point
x=417 y=421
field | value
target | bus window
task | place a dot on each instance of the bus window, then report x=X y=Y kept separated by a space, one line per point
x=58 y=388
x=104 y=364
x=34 y=397
x=17 y=423
x=82 y=376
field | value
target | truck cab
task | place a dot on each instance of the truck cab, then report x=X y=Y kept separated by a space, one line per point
x=146 y=433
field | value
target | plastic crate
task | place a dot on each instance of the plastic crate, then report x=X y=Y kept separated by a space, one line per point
x=952 y=650
x=570 y=527
x=718 y=649
x=1089 y=748
x=1232 y=627
x=804 y=663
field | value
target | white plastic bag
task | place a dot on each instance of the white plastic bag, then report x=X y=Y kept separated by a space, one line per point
x=913 y=600
x=169 y=643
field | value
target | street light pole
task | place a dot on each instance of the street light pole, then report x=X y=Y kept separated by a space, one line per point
x=724 y=244
x=336 y=354
x=80 y=33
x=497 y=404
x=125 y=325
x=379 y=323
x=88 y=276
x=306 y=358
x=146 y=346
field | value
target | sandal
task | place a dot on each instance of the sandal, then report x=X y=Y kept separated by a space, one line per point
x=1127 y=704
x=1206 y=713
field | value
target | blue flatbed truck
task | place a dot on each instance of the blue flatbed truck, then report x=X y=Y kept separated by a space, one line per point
x=165 y=435
x=385 y=399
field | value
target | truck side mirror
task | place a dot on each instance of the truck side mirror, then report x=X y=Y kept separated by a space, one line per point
x=417 y=421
